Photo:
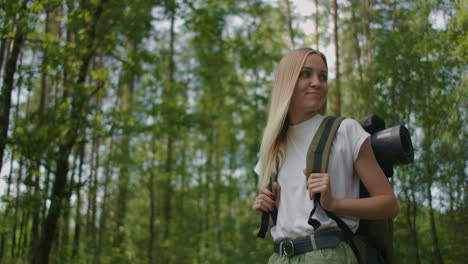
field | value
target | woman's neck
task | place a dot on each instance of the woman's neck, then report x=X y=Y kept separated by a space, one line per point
x=297 y=118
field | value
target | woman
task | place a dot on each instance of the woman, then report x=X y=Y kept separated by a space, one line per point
x=298 y=102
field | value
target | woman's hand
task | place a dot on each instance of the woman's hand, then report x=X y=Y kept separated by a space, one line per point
x=320 y=183
x=266 y=200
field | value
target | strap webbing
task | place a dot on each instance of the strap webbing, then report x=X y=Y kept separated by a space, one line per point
x=318 y=155
x=266 y=215
x=317 y=162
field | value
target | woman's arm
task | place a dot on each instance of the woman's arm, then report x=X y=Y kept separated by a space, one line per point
x=382 y=203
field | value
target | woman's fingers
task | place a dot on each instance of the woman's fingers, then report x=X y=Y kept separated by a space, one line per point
x=261 y=205
x=267 y=193
x=317 y=183
x=317 y=189
x=266 y=200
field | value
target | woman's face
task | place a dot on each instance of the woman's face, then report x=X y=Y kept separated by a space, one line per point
x=311 y=88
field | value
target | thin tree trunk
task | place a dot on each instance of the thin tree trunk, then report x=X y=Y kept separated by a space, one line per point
x=77 y=233
x=337 y=62
x=167 y=196
x=411 y=214
x=64 y=238
x=36 y=214
x=58 y=197
x=167 y=208
x=357 y=48
x=217 y=196
x=289 y=21
x=367 y=34
x=45 y=196
x=434 y=237
x=3 y=48
x=202 y=226
x=317 y=37
x=9 y=182
x=92 y=192
x=94 y=231
x=103 y=237
x=45 y=58
x=124 y=174
x=152 y=218
x=23 y=237
x=57 y=201
x=122 y=198
x=17 y=209
x=7 y=88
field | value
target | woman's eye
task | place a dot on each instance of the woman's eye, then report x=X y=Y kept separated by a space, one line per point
x=305 y=74
x=323 y=77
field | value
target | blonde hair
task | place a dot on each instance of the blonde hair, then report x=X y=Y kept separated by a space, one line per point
x=272 y=149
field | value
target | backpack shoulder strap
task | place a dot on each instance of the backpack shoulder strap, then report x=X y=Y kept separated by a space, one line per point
x=265 y=220
x=317 y=162
x=319 y=149
x=319 y=153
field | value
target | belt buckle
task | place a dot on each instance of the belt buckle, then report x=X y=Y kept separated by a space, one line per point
x=288 y=248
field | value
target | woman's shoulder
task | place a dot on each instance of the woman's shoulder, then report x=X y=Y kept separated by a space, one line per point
x=349 y=125
x=351 y=130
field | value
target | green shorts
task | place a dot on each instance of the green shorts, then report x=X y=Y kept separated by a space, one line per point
x=342 y=254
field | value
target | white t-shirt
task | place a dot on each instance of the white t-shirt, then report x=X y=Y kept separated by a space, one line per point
x=295 y=205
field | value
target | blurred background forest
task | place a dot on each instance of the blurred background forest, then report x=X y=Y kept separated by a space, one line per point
x=130 y=128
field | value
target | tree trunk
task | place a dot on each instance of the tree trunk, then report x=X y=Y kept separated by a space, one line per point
x=63 y=245
x=77 y=233
x=17 y=209
x=7 y=88
x=152 y=218
x=36 y=214
x=92 y=200
x=289 y=22
x=4 y=44
x=217 y=197
x=434 y=237
x=357 y=48
x=103 y=237
x=124 y=174
x=23 y=238
x=168 y=193
x=411 y=213
x=9 y=183
x=317 y=37
x=367 y=35
x=57 y=200
x=45 y=58
x=59 y=195
x=337 y=56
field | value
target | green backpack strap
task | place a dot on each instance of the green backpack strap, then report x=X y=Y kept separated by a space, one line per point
x=265 y=220
x=319 y=153
x=317 y=162
x=319 y=149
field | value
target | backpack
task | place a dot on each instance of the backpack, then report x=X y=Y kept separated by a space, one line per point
x=372 y=242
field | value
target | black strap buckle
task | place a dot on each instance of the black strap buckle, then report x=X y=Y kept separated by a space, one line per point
x=287 y=248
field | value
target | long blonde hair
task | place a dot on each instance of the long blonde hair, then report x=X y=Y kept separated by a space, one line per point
x=272 y=150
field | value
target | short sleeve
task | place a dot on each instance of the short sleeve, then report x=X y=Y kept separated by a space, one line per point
x=355 y=135
x=257 y=168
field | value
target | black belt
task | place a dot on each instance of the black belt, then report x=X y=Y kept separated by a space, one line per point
x=324 y=239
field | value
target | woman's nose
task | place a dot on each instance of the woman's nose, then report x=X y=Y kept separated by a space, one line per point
x=314 y=81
